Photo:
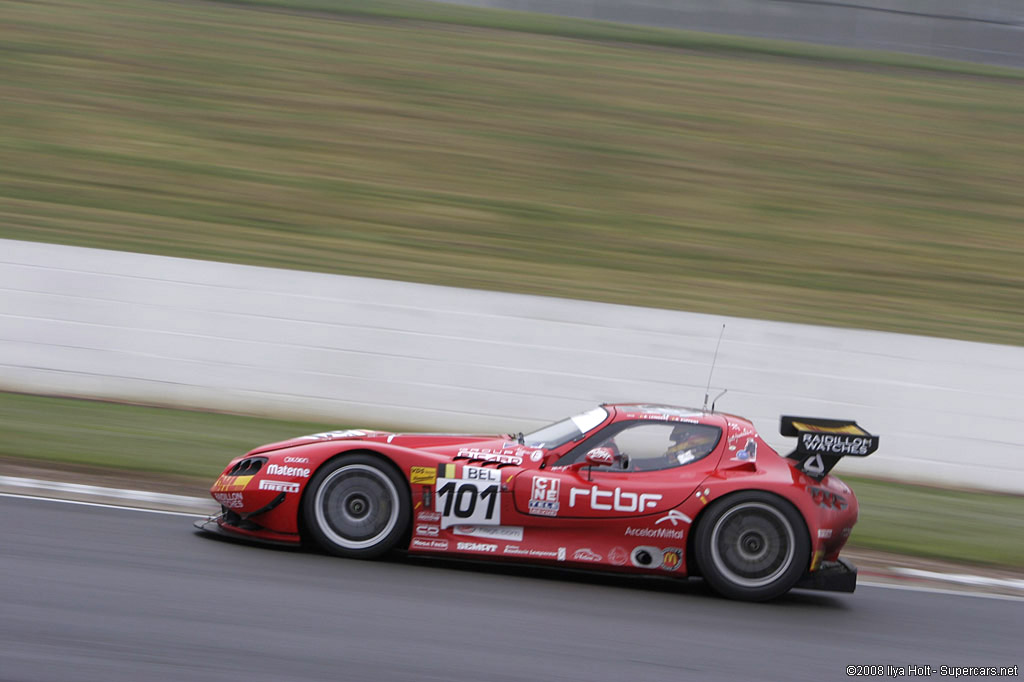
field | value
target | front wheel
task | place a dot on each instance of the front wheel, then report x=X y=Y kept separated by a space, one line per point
x=752 y=546
x=357 y=506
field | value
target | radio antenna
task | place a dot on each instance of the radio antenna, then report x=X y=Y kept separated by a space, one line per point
x=707 y=390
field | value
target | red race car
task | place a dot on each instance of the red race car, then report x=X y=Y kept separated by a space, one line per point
x=645 y=489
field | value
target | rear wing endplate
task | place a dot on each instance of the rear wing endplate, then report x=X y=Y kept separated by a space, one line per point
x=822 y=442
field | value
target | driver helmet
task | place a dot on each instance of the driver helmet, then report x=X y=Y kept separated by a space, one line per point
x=691 y=437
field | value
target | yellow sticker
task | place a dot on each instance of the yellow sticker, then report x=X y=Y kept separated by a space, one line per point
x=816 y=561
x=231 y=483
x=849 y=428
x=422 y=475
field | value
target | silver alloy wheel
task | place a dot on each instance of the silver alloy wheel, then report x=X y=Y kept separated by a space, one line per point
x=752 y=544
x=356 y=506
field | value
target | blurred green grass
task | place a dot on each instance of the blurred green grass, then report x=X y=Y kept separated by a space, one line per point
x=971 y=527
x=958 y=526
x=507 y=151
x=147 y=440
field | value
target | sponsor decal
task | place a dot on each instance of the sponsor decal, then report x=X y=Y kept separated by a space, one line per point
x=671 y=559
x=332 y=435
x=614 y=499
x=512 y=550
x=296 y=460
x=468 y=501
x=663 y=412
x=748 y=453
x=702 y=495
x=646 y=557
x=653 y=533
x=561 y=553
x=813 y=465
x=422 y=475
x=735 y=436
x=231 y=483
x=824 y=533
x=429 y=517
x=835 y=444
x=542 y=508
x=504 y=456
x=544 y=496
x=618 y=556
x=427 y=530
x=846 y=532
x=476 y=547
x=536 y=455
x=420 y=543
x=284 y=470
x=674 y=516
x=586 y=554
x=230 y=500
x=480 y=474
x=279 y=486
x=506 y=533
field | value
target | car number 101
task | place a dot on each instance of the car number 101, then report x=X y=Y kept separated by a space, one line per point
x=470 y=502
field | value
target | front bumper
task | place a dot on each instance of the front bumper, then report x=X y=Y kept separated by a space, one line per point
x=831 y=576
x=230 y=525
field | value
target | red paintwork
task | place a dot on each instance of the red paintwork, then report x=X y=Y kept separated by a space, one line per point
x=603 y=517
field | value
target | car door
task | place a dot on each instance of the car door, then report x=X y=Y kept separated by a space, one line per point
x=651 y=475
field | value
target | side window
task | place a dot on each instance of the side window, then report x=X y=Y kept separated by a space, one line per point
x=650 y=446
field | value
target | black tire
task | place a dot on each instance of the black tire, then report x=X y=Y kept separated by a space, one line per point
x=357 y=506
x=752 y=546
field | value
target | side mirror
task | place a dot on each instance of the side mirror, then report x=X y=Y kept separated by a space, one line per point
x=600 y=457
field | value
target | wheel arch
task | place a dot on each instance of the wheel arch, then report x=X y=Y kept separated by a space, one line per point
x=692 y=565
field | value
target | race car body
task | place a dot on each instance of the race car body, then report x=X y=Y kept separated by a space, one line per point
x=650 y=489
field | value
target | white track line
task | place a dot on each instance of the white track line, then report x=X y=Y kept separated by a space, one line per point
x=97 y=491
x=961 y=578
x=939 y=590
x=194 y=515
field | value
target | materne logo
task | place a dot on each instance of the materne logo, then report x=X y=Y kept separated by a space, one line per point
x=281 y=470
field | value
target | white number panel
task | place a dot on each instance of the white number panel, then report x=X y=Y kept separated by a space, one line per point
x=470 y=500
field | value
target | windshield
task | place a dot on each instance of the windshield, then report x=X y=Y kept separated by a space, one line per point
x=562 y=432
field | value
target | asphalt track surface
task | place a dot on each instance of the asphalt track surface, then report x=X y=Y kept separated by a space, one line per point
x=99 y=593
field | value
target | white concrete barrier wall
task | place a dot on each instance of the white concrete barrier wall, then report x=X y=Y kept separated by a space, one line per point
x=169 y=331
x=986 y=31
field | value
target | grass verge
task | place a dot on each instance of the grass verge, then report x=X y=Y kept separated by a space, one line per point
x=516 y=152
x=905 y=519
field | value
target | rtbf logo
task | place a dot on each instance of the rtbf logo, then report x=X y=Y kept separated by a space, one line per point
x=615 y=499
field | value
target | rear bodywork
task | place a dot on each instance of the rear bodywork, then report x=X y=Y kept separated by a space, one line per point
x=501 y=497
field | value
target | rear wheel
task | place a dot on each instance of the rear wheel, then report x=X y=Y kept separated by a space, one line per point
x=357 y=506
x=752 y=546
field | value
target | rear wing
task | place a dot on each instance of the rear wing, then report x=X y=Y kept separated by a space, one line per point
x=822 y=442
